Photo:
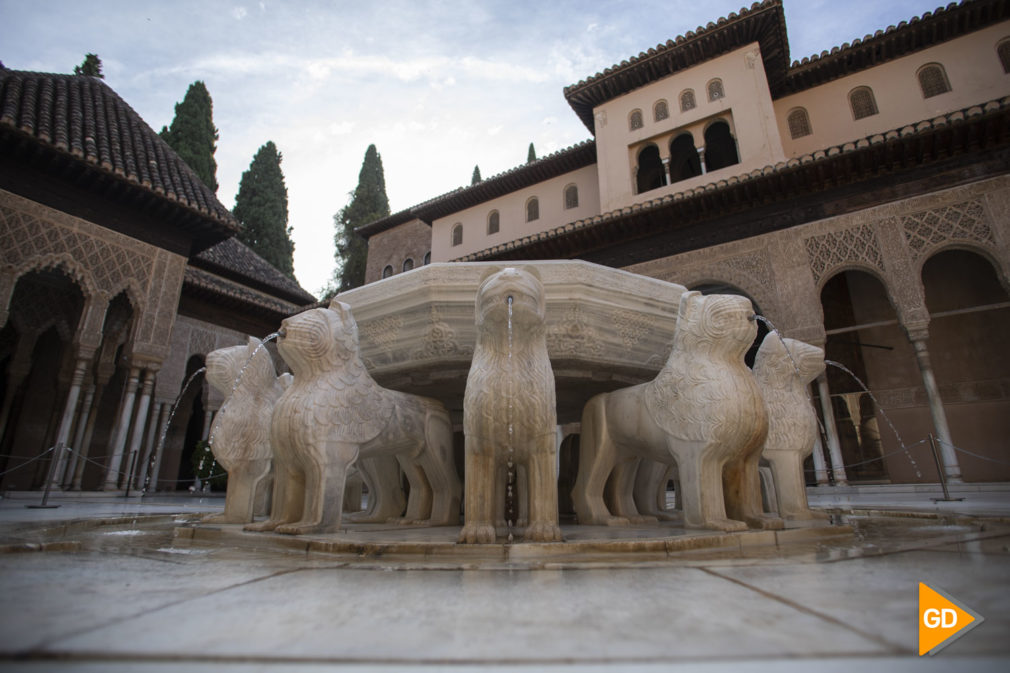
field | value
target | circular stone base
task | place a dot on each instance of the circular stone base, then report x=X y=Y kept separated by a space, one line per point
x=436 y=548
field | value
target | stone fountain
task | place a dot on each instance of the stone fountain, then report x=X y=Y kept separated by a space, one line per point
x=507 y=352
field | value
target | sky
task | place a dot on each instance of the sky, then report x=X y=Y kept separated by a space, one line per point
x=438 y=87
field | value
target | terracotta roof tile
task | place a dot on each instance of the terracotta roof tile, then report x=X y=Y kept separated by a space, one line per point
x=232 y=258
x=558 y=163
x=84 y=118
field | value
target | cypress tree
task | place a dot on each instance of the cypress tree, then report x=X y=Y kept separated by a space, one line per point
x=531 y=155
x=261 y=205
x=92 y=66
x=192 y=134
x=368 y=203
x=476 y=175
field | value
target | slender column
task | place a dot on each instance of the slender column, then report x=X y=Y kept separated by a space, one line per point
x=159 y=447
x=83 y=413
x=666 y=170
x=138 y=426
x=69 y=410
x=122 y=429
x=701 y=158
x=85 y=443
x=820 y=468
x=834 y=446
x=951 y=468
x=152 y=430
x=17 y=371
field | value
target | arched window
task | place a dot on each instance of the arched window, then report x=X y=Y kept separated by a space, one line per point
x=493 y=222
x=720 y=147
x=799 y=123
x=660 y=111
x=715 y=90
x=532 y=209
x=684 y=161
x=571 y=197
x=1003 y=51
x=427 y=258
x=635 y=121
x=933 y=80
x=408 y=264
x=387 y=271
x=687 y=100
x=862 y=102
x=650 y=169
x=457 y=234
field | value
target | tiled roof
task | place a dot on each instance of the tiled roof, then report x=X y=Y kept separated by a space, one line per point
x=81 y=121
x=232 y=258
x=972 y=129
x=563 y=161
x=920 y=32
x=764 y=22
x=227 y=292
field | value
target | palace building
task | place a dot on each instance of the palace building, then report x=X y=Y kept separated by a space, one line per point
x=860 y=198
x=119 y=272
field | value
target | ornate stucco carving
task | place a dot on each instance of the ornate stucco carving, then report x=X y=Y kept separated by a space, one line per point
x=836 y=249
x=924 y=231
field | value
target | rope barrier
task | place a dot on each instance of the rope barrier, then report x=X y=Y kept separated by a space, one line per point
x=29 y=461
x=974 y=455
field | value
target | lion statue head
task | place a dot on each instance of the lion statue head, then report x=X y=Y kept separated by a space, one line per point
x=522 y=286
x=320 y=339
x=775 y=365
x=251 y=362
x=716 y=323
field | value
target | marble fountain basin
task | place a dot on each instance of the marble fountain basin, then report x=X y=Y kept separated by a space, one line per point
x=606 y=328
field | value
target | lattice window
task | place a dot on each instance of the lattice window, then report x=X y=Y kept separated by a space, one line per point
x=715 y=90
x=493 y=222
x=933 y=80
x=387 y=271
x=661 y=111
x=687 y=101
x=427 y=258
x=635 y=121
x=862 y=102
x=571 y=197
x=408 y=264
x=799 y=123
x=532 y=209
x=457 y=235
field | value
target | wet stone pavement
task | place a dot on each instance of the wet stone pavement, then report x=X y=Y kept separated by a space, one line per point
x=107 y=587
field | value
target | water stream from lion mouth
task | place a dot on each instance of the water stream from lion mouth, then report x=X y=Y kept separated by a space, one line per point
x=160 y=447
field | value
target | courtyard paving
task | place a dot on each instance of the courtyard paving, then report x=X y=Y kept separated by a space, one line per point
x=114 y=584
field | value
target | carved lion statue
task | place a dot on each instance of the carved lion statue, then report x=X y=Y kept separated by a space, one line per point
x=703 y=412
x=240 y=435
x=509 y=411
x=784 y=368
x=334 y=414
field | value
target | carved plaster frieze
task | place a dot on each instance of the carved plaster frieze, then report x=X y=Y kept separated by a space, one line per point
x=924 y=231
x=836 y=249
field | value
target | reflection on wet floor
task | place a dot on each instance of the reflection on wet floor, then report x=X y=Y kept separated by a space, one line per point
x=861 y=535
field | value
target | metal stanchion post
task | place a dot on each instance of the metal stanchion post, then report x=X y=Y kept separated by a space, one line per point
x=53 y=462
x=939 y=470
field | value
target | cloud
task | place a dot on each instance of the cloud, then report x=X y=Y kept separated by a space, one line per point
x=239 y=13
